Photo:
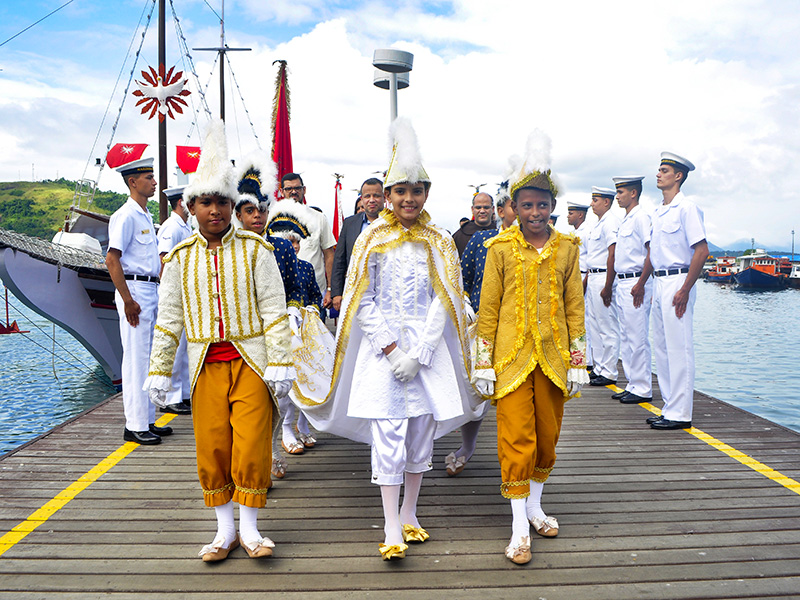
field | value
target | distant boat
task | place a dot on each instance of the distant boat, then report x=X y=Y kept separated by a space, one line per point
x=723 y=269
x=760 y=270
x=794 y=277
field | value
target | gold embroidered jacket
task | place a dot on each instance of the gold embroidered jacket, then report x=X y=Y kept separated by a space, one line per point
x=531 y=310
x=245 y=293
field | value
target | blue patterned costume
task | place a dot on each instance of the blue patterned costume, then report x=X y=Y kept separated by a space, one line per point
x=472 y=263
x=307 y=285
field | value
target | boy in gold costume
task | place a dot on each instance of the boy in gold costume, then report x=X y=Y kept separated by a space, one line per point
x=531 y=343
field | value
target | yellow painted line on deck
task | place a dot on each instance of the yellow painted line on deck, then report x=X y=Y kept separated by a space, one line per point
x=747 y=461
x=39 y=516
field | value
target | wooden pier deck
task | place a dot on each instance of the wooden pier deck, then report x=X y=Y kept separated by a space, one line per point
x=708 y=513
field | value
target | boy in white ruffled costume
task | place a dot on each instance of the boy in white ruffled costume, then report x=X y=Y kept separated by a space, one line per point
x=400 y=377
x=222 y=285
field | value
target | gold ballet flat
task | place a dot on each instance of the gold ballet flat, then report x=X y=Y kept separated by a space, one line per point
x=390 y=552
x=414 y=534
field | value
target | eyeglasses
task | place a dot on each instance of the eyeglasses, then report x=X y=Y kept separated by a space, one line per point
x=293 y=189
x=478 y=208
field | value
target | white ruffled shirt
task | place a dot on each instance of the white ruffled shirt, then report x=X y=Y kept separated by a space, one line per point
x=400 y=306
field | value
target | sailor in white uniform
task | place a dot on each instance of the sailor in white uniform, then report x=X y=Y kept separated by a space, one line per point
x=602 y=314
x=634 y=292
x=576 y=217
x=134 y=266
x=678 y=249
x=171 y=233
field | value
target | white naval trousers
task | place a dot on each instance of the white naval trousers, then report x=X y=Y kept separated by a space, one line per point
x=181 y=384
x=674 y=348
x=586 y=317
x=401 y=445
x=603 y=326
x=136 y=344
x=634 y=338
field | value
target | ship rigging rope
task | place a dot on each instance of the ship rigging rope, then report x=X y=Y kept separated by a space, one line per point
x=186 y=56
x=244 y=106
x=40 y=20
x=116 y=84
x=87 y=370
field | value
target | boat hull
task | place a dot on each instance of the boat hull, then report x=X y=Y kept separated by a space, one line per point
x=726 y=278
x=81 y=303
x=753 y=278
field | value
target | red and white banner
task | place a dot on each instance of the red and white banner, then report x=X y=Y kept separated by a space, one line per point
x=281 y=136
x=187 y=157
x=122 y=154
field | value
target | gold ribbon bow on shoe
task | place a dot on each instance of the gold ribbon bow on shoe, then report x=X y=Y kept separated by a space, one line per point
x=390 y=552
x=414 y=534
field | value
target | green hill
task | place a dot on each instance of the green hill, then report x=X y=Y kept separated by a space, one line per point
x=38 y=208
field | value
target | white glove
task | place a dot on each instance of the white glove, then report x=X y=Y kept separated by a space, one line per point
x=295 y=319
x=157 y=387
x=281 y=388
x=576 y=379
x=485 y=387
x=470 y=313
x=403 y=366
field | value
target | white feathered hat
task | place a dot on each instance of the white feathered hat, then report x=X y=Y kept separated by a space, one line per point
x=214 y=171
x=535 y=171
x=406 y=164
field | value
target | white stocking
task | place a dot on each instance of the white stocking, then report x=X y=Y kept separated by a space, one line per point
x=520 y=527
x=408 y=512
x=390 y=496
x=288 y=410
x=533 y=507
x=226 y=528
x=469 y=437
x=302 y=424
x=248 y=524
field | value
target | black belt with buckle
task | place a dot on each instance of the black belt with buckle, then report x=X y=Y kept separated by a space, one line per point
x=629 y=275
x=664 y=272
x=597 y=270
x=147 y=278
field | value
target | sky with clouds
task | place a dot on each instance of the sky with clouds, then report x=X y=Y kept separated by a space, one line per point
x=612 y=83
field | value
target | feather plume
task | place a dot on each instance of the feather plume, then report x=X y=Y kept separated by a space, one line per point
x=406 y=163
x=256 y=174
x=214 y=171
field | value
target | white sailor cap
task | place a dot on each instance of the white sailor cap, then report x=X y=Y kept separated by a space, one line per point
x=573 y=205
x=668 y=158
x=603 y=192
x=174 y=191
x=625 y=181
x=143 y=165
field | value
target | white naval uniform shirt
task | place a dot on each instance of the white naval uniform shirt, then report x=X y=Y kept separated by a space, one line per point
x=633 y=234
x=172 y=232
x=603 y=235
x=131 y=231
x=320 y=238
x=677 y=226
x=583 y=233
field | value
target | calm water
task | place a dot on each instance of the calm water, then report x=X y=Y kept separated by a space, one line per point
x=746 y=348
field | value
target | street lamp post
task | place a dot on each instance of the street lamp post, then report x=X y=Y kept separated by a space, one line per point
x=393 y=68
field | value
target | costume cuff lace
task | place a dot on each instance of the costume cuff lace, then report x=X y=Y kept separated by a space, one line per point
x=578 y=375
x=423 y=354
x=280 y=373
x=577 y=352
x=483 y=354
x=487 y=374
x=380 y=339
x=157 y=382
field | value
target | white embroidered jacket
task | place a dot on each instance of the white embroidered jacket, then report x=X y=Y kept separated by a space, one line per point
x=244 y=292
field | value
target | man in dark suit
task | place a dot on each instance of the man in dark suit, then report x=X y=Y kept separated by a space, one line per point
x=373 y=200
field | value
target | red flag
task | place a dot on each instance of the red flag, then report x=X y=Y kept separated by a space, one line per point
x=187 y=158
x=338 y=215
x=121 y=154
x=281 y=136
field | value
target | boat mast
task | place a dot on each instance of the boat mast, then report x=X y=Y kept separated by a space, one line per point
x=222 y=50
x=163 y=212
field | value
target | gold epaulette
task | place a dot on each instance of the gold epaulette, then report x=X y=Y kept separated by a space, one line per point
x=184 y=244
x=243 y=233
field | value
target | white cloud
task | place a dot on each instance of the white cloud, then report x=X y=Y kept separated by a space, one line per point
x=613 y=84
